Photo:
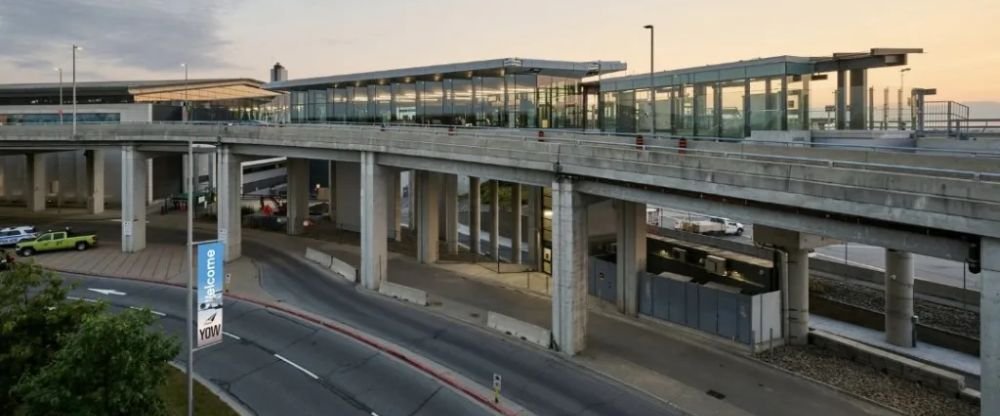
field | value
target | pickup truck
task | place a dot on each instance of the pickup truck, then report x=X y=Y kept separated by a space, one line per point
x=56 y=240
x=711 y=226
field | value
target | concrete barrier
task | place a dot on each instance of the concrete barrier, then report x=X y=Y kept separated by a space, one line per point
x=404 y=293
x=318 y=257
x=890 y=363
x=342 y=268
x=510 y=326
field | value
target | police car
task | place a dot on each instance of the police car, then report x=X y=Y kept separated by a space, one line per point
x=13 y=235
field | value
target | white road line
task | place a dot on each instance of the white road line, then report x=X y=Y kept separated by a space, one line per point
x=230 y=335
x=89 y=300
x=308 y=373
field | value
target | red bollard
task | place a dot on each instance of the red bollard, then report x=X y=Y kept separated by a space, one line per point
x=640 y=143
x=541 y=135
x=682 y=145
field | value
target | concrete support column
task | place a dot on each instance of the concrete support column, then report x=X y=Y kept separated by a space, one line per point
x=495 y=219
x=348 y=194
x=569 y=267
x=898 y=298
x=631 y=254
x=475 y=215
x=374 y=242
x=840 y=101
x=798 y=296
x=428 y=211
x=451 y=213
x=534 y=226
x=298 y=194
x=989 y=331
x=516 y=237
x=149 y=181
x=95 y=181
x=412 y=200
x=395 y=210
x=36 y=189
x=859 y=105
x=186 y=185
x=133 y=198
x=331 y=179
x=228 y=212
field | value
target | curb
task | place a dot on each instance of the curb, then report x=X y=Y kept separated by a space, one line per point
x=350 y=332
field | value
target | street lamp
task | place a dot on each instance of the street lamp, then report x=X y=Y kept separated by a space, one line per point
x=899 y=98
x=652 y=89
x=58 y=69
x=75 y=48
x=187 y=104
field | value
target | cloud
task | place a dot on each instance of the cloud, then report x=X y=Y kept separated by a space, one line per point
x=154 y=35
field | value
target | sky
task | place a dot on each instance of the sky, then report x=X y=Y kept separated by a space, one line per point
x=136 y=39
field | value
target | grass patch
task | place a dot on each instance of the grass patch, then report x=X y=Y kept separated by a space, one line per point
x=174 y=394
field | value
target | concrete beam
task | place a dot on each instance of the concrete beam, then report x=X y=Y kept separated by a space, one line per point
x=296 y=152
x=134 y=184
x=569 y=267
x=374 y=244
x=933 y=246
x=298 y=195
x=454 y=167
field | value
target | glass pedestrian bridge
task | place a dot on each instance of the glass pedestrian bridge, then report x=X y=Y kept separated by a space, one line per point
x=725 y=100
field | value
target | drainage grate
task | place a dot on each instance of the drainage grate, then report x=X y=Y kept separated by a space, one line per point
x=716 y=394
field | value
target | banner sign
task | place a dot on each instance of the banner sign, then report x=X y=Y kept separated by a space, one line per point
x=210 y=289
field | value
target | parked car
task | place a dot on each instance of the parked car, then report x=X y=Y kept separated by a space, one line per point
x=711 y=226
x=56 y=240
x=13 y=235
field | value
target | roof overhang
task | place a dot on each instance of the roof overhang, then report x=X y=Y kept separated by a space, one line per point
x=875 y=58
x=493 y=67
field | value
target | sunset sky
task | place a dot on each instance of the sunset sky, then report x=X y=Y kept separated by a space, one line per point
x=227 y=38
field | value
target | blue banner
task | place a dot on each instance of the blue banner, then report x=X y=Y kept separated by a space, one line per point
x=211 y=278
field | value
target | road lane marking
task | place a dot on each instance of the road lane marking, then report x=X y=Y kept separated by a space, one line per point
x=106 y=291
x=308 y=373
x=157 y=313
x=230 y=335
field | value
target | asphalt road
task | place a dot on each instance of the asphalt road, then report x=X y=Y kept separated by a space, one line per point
x=541 y=381
x=325 y=372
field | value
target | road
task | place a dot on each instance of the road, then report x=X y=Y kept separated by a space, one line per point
x=541 y=381
x=942 y=271
x=276 y=364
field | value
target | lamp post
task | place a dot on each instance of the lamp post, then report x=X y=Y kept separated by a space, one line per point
x=75 y=48
x=59 y=70
x=187 y=104
x=899 y=98
x=652 y=89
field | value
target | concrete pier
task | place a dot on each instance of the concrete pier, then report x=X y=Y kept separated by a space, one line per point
x=631 y=256
x=134 y=185
x=428 y=198
x=298 y=194
x=374 y=242
x=228 y=211
x=95 y=181
x=899 y=298
x=475 y=214
x=37 y=187
x=569 y=268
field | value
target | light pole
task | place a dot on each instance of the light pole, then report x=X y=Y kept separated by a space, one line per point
x=57 y=69
x=190 y=270
x=652 y=89
x=75 y=48
x=184 y=114
x=899 y=98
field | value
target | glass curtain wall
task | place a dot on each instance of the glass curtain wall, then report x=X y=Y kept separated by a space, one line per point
x=765 y=96
x=732 y=108
x=405 y=103
x=489 y=101
x=798 y=102
x=705 y=109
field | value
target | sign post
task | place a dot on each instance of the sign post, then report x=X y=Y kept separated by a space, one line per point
x=211 y=285
x=497 y=380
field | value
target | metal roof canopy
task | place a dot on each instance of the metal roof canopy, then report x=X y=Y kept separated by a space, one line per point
x=492 y=67
x=765 y=67
x=251 y=88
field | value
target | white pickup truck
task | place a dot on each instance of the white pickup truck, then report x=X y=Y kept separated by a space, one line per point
x=711 y=226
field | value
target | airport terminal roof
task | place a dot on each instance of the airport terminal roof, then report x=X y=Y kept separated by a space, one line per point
x=491 y=67
x=147 y=90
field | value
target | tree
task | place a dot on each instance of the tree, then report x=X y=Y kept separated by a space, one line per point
x=35 y=319
x=113 y=365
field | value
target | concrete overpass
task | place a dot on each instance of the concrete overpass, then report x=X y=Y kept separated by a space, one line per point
x=939 y=205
